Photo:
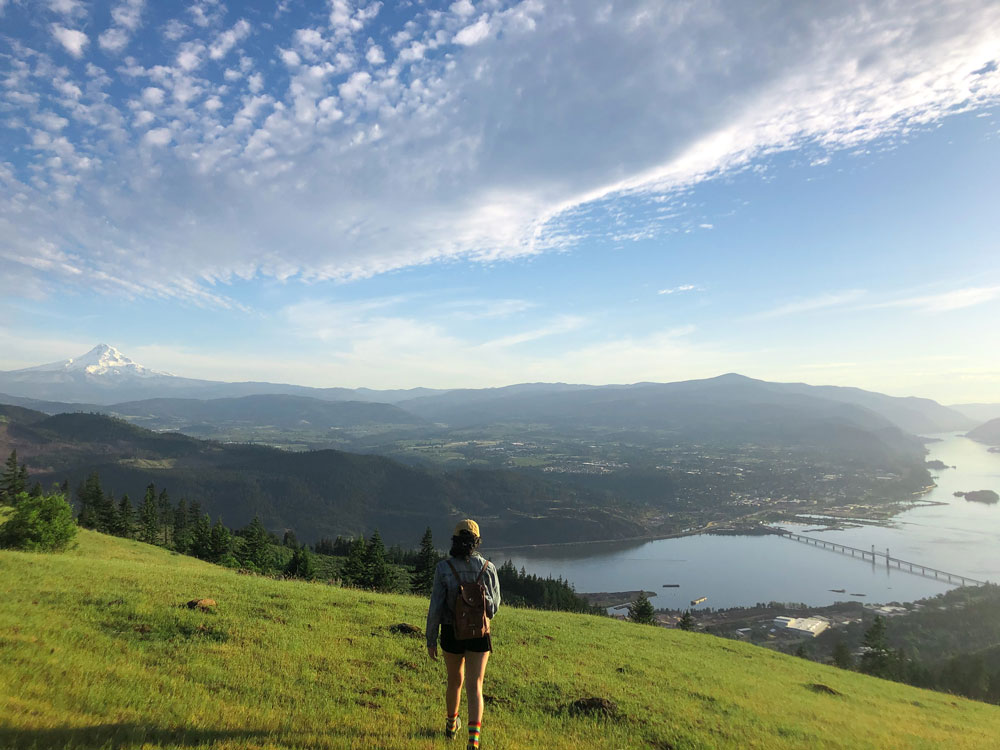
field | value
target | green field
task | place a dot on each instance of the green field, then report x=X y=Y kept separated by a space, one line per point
x=98 y=651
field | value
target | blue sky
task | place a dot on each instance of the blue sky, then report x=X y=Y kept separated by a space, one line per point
x=483 y=193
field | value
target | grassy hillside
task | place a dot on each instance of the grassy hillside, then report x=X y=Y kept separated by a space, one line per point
x=96 y=651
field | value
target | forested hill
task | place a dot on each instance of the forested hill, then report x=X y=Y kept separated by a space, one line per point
x=316 y=493
x=284 y=664
x=988 y=433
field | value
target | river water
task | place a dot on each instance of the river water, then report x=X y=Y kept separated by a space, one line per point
x=959 y=537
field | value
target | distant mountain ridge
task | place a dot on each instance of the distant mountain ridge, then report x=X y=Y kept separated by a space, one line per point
x=104 y=377
x=988 y=433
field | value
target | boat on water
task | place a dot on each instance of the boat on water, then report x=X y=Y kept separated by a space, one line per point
x=699 y=600
x=671 y=585
x=838 y=591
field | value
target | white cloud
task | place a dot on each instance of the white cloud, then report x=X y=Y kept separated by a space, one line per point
x=375 y=55
x=72 y=40
x=128 y=14
x=66 y=7
x=474 y=33
x=114 y=39
x=153 y=95
x=676 y=289
x=189 y=56
x=478 y=152
x=462 y=8
x=158 y=137
x=229 y=39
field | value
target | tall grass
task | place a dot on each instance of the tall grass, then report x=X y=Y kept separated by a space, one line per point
x=98 y=651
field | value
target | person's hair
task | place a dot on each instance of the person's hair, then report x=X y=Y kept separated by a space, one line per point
x=464 y=544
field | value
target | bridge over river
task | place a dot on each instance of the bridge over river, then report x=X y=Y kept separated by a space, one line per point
x=880 y=557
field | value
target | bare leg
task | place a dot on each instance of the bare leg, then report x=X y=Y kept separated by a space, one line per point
x=474 y=685
x=456 y=675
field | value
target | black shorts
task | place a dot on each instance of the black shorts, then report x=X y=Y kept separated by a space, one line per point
x=453 y=645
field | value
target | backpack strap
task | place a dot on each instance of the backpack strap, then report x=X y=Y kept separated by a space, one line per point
x=479 y=578
x=457 y=577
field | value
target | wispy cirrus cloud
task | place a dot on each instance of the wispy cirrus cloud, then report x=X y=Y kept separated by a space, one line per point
x=823 y=301
x=955 y=299
x=681 y=288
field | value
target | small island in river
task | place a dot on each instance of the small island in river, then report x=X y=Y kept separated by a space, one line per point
x=980 y=496
x=938 y=465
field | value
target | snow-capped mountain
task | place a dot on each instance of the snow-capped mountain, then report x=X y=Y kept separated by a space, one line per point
x=105 y=376
x=101 y=361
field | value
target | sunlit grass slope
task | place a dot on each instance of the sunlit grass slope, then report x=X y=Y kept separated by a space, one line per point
x=96 y=652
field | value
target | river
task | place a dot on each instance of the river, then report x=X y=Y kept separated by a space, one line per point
x=958 y=536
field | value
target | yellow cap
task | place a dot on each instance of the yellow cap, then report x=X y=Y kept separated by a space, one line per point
x=467 y=525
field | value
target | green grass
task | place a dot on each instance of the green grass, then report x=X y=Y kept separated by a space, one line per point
x=96 y=651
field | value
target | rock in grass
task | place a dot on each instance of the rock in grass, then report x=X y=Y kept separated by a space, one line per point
x=404 y=628
x=819 y=687
x=205 y=605
x=594 y=707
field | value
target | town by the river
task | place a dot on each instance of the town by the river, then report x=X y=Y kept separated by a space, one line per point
x=941 y=531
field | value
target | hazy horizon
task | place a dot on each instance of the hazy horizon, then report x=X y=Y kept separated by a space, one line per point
x=477 y=194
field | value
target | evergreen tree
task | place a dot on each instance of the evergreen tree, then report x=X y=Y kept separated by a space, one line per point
x=12 y=480
x=641 y=610
x=126 y=517
x=221 y=542
x=182 y=539
x=842 y=655
x=376 y=568
x=423 y=577
x=93 y=504
x=149 y=517
x=301 y=564
x=194 y=514
x=166 y=513
x=257 y=547
x=687 y=621
x=36 y=490
x=108 y=514
x=289 y=539
x=201 y=537
x=353 y=572
x=878 y=658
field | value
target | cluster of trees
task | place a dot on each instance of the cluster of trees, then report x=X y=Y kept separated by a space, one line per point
x=39 y=522
x=972 y=674
x=520 y=588
x=186 y=529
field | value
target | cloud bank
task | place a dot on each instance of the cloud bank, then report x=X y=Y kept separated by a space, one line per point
x=232 y=150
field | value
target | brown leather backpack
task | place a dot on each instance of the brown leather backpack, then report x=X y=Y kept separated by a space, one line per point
x=470 y=607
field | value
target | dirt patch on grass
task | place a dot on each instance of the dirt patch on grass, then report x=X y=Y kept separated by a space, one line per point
x=819 y=687
x=601 y=707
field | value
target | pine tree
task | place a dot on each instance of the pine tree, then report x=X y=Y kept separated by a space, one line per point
x=36 y=490
x=423 y=577
x=842 y=655
x=289 y=539
x=182 y=539
x=221 y=542
x=301 y=564
x=166 y=513
x=641 y=610
x=877 y=659
x=12 y=480
x=149 y=517
x=201 y=537
x=126 y=517
x=354 y=572
x=87 y=517
x=377 y=569
x=108 y=514
x=687 y=621
x=257 y=547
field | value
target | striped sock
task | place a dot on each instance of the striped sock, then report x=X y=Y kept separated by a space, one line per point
x=451 y=727
x=473 y=735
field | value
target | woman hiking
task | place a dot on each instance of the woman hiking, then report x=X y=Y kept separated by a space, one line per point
x=462 y=573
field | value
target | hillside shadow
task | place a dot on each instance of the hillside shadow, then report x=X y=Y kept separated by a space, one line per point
x=125 y=736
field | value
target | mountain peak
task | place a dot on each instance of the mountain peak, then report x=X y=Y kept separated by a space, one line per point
x=103 y=361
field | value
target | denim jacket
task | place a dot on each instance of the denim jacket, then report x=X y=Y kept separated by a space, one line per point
x=445 y=591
